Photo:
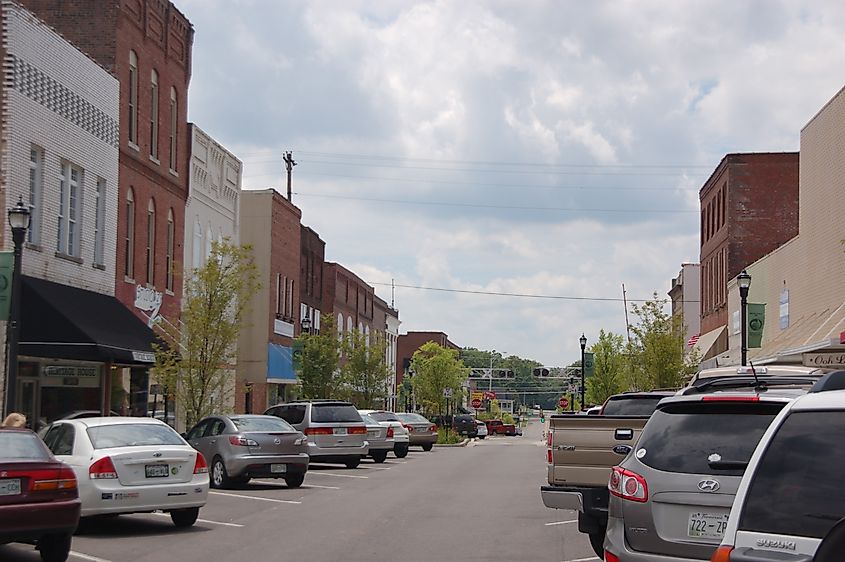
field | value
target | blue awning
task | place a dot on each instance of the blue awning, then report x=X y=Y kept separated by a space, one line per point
x=280 y=363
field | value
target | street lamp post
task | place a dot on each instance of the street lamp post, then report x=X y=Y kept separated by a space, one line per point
x=306 y=325
x=744 y=282
x=19 y=216
x=583 y=342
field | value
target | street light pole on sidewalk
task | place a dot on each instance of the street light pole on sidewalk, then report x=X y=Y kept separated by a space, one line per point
x=19 y=216
x=583 y=341
x=744 y=282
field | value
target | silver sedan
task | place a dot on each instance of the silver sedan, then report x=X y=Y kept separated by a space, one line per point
x=240 y=447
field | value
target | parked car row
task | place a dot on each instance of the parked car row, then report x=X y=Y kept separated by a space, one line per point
x=84 y=466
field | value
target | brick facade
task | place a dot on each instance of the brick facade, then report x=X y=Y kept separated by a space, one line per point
x=312 y=261
x=349 y=300
x=408 y=343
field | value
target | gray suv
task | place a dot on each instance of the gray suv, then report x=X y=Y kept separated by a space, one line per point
x=334 y=429
x=672 y=495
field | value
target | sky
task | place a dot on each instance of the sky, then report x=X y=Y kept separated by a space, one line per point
x=468 y=152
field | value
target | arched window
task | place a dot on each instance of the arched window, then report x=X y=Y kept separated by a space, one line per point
x=349 y=324
x=171 y=246
x=209 y=240
x=151 y=242
x=339 y=327
x=197 y=248
x=133 y=98
x=129 y=238
x=174 y=112
x=154 y=115
x=99 y=223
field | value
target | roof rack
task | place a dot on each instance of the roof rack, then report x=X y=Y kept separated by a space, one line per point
x=834 y=380
x=760 y=382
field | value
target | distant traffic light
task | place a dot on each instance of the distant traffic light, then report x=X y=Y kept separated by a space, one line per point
x=509 y=374
x=541 y=372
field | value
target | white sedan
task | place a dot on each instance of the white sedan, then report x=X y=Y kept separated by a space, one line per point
x=131 y=465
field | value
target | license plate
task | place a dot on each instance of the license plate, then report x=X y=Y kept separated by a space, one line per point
x=372 y=433
x=157 y=470
x=278 y=468
x=340 y=431
x=10 y=487
x=707 y=525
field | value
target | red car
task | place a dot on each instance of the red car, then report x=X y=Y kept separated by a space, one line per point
x=39 y=501
x=498 y=427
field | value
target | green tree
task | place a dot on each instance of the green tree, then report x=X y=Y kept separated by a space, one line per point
x=365 y=372
x=609 y=365
x=197 y=362
x=436 y=369
x=319 y=359
x=656 y=354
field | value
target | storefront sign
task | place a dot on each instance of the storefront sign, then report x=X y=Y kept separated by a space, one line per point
x=7 y=262
x=148 y=300
x=144 y=356
x=834 y=360
x=70 y=371
x=282 y=328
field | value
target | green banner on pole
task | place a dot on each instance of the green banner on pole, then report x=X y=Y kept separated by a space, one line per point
x=589 y=368
x=756 y=322
x=7 y=264
x=297 y=355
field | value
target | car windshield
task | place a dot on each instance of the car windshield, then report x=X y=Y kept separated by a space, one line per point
x=368 y=419
x=384 y=416
x=261 y=423
x=796 y=488
x=21 y=445
x=325 y=413
x=415 y=418
x=132 y=435
x=695 y=437
x=631 y=406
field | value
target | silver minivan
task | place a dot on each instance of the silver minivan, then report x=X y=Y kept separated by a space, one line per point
x=334 y=429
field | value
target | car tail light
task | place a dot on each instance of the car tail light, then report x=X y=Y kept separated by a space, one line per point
x=627 y=485
x=731 y=399
x=43 y=480
x=357 y=430
x=722 y=554
x=610 y=557
x=103 y=469
x=433 y=428
x=242 y=441
x=318 y=431
x=389 y=432
x=200 y=466
x=410 y=428
x=549 y=453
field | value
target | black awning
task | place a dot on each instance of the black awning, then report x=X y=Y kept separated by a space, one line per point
x=64 y=322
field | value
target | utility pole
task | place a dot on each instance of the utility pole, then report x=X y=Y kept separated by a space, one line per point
x=625 y=301
x=289 y=164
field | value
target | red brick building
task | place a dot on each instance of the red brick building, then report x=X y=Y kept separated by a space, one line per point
x=749 y=207
x=348 y=299
x=311 y=263
x=408 y=343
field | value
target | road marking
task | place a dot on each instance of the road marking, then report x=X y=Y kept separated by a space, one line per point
x=254 y=498
x=378 y=468
x=397 y=462
x=321 y=487
x=321 y=473
x=202 y=520
x=561 y=523
x=87 y=557
x=583 y=559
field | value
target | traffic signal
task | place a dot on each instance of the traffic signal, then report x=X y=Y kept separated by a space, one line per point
x=541 y=372
x=476 y=373
x=509 y=374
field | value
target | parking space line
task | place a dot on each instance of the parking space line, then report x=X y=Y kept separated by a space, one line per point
x=321 y=473
x=377 y=468
x=255 y=498
x=561 y=523
x=584 y=559
x=87 y=557
x=203 y=520
x=321 y=487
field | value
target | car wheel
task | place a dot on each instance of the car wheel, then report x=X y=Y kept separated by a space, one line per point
x=401 y=452
x=240 y=480
x=295 y=480
x=54 y=548
x=597 y=542
x=185 y=517
x=427 y=446
x=379 y=456
x=353 y=463
x=482 y=436
x=219 y=476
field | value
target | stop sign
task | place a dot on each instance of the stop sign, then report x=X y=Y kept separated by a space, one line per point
x=563 y=402
x=476 y=403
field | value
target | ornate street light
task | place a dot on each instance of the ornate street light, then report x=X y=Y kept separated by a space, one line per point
x=306 y=325
x=583 y=341
x=19 y=217
x=744 y=282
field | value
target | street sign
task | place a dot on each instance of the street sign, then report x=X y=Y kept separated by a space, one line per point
x=447 y=393
x=489 y=395
x=476 y=403
x=563 y=402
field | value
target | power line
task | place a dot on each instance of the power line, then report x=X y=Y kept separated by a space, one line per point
x=519 y=295
x=483 y=206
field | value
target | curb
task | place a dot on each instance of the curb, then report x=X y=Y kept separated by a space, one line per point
x=461 y=444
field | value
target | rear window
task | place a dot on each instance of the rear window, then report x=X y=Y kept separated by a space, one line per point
x=368 y=420
x=327 y=413
x=414 y=418
x=256 y=424
x=689 y=437
x=21 y=445
x=132 y=435
x=797 y=488
x=631 y=406
x=384 y=416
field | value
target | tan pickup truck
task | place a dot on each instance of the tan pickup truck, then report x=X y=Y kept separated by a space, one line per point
x=582 y=449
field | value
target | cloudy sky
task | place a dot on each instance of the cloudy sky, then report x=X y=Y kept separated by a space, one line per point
x=544 y=148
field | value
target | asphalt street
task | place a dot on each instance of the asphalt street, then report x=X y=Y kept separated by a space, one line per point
x=475 y=503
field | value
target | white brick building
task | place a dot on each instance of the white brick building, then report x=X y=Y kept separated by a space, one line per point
x=59 y=138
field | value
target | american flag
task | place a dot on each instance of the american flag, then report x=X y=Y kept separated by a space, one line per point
x=693 y=339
